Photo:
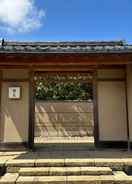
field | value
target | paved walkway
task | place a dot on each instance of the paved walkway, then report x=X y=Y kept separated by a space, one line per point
x=43 y=152
x=108 y=158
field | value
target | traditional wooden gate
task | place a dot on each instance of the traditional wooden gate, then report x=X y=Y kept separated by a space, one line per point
x=64 y=106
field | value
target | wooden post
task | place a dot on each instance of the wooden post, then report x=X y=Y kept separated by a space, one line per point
x=95 y=103
x=127 y=113
x=31 y=110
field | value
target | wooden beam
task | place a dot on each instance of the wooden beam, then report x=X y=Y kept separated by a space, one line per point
x=14 y=80
x=66 y=59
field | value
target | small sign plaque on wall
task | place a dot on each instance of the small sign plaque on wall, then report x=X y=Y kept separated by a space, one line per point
x=14 y=92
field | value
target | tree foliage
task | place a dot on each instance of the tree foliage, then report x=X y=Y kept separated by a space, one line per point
x=63 y=90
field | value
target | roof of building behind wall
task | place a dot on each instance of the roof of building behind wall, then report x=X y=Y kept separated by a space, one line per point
x=64 y=47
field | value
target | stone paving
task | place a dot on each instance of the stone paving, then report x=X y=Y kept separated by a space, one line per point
x=21 y=165
x=69 y=140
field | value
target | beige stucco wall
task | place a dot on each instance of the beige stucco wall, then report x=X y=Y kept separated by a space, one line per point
x=63 y=119
x=15 y=74
x=129 y=97
x=14 y=119
x=112 y=109
x=111 y=74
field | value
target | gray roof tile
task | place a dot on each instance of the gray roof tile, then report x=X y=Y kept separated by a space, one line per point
x=64 y=47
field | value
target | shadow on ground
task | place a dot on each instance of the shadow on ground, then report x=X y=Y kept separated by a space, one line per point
x=76 y=151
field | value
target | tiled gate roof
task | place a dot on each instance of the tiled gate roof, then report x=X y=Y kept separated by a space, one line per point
x=65 y=47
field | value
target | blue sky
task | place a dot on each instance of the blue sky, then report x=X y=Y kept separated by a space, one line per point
x=66 y=20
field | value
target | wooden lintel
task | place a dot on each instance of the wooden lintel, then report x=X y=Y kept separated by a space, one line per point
x=65 y=59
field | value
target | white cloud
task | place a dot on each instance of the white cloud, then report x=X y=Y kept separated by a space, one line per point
x=20 y=15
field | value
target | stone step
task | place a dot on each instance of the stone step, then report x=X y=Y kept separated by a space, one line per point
x=118 y=177
x=64 y=171
x=9 y=178
x=116 y=164
x=73 y=180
